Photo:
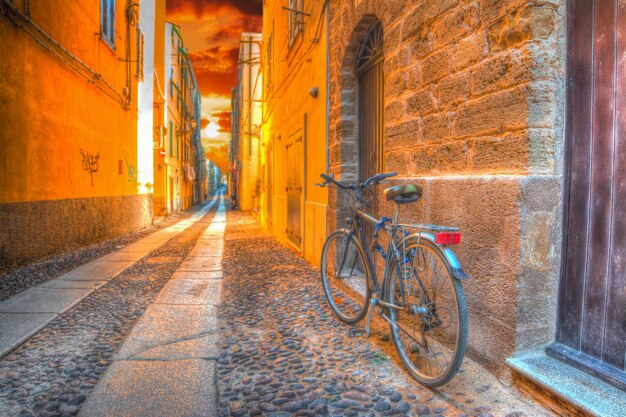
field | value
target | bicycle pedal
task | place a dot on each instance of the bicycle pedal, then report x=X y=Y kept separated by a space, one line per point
x=356 y=332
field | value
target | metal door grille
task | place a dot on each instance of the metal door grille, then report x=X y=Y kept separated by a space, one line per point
x=371 y=104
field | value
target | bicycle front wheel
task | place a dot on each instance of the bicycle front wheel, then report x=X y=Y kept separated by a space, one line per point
x=344 y=276
x=430 y=328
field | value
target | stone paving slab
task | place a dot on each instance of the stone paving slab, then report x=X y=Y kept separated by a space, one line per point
x=122 y=255
x=206 y=251
x=198 y=275
x=191 y=292
x=155 y=388
x=141 y=247
x=161 y=237
x=16 y=328
x=60 y=283
x=165 y=324
x=97 y=270
x=201 y=264
x=200 y=347
x=43 y=300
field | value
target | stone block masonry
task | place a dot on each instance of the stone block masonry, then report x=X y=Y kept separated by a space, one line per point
x=474 y=102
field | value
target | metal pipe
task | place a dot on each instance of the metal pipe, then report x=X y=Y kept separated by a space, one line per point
x=367 y=217
x=97 y=77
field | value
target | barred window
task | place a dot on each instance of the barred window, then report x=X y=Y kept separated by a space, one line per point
x=107 y=22
x=296 y=22
x=270 y=58
x=139 y=55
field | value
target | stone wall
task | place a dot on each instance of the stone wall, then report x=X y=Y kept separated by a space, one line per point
x=474 y=113
x=34 y=230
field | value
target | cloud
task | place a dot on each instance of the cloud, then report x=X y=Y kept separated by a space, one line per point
x=215 y=69
x=223 y=120
x=218 y=155
x=202 y=8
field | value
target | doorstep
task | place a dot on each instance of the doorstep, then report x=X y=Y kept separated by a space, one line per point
x=578 y=391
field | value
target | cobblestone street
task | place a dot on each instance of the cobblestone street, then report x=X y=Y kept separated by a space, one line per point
x=281 y=351
x=53 y=372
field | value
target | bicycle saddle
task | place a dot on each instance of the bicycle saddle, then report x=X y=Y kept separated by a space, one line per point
x=403 y=193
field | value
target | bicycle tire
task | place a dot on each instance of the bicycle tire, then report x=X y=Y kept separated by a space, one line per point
x=347 y=292
x=413 y=331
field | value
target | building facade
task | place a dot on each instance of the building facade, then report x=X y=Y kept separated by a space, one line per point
x=245 y=149
x=85 y=149
x=177 y=137
x=294 y=132
x=70 y=151
x=510 y=115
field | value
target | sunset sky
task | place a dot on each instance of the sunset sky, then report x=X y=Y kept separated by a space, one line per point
x=211 y=30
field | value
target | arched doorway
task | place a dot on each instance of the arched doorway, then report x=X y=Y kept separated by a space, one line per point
x=369 y=69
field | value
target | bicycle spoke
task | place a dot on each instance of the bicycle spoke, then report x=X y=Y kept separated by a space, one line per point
x=345 y=287
x=428 y=327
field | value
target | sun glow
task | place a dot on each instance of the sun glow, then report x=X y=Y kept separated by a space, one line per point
x=212 y=130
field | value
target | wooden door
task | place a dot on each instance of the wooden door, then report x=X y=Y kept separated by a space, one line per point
x=270 y=183
x=295 y=167
x=592 y=317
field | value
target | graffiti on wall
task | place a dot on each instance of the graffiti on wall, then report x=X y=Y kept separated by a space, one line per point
x=132 y=171
x=90 y=163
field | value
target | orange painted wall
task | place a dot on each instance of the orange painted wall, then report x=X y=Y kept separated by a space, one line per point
x=49 y=112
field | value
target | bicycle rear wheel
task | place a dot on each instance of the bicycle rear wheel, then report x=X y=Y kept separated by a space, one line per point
x=344 y=276
x=430 y=329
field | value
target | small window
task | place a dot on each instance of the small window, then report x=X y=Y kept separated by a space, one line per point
x=171 y=139
x=296 y=21
x=139 y=55
x=107 y=22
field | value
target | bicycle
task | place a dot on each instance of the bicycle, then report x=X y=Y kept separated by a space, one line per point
x=420 y=295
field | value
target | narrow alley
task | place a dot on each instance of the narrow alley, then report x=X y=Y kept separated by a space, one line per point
x=171 y=335
x=312 y=208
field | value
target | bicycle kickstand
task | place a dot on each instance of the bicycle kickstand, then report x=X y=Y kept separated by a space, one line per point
x=373 y=305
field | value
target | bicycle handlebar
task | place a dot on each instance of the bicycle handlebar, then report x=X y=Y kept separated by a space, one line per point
x=370 y=181
x=378 y=178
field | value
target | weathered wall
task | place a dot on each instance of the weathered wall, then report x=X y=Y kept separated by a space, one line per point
x=473 y=112
x=34 y=230
x=68 y=129
x=290 y=72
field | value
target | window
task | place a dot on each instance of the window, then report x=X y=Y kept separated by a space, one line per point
x=139 y=55
x=107 y=22
x=296 y=10
x=171 y=139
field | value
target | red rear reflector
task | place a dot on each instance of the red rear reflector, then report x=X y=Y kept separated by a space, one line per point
x=448 y=238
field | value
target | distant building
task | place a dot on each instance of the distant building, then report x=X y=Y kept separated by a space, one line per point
x=176 y=187
x=74 y=169
x=247 y=118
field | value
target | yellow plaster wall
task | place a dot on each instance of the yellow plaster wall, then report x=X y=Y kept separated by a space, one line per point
x=160 y=91
x=49 y=112
x=293 y=71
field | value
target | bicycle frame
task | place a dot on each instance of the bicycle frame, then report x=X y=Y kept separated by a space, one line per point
x=359 y=215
